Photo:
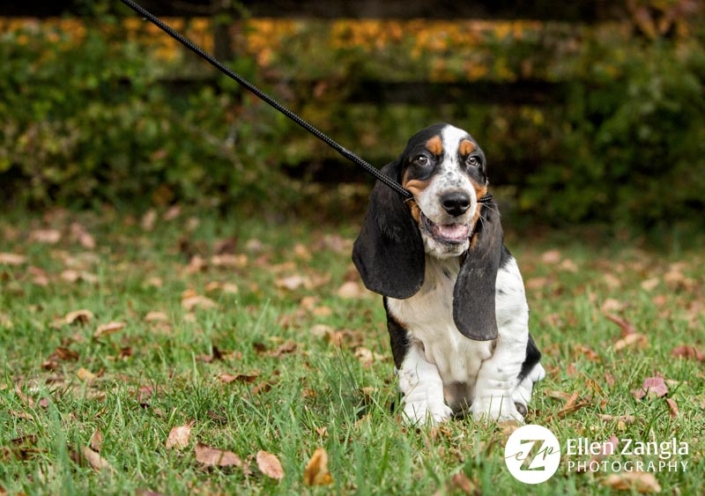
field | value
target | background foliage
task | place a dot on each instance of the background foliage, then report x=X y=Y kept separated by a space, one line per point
x=89 y=118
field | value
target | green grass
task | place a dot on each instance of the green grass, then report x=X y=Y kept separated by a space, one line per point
x=151 y=376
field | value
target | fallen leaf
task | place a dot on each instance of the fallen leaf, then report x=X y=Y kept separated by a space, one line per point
x=551 y=257
x=226 y=378
x=172 y=213
x=612 y=281
x=611 y=305
x=283 y=349
x=197 y=301
x=650 y=284
x=12 y=259
x=156 y=317
x=85 y=374
x=642 y=482
x=689 y=352
x=148 y=220
x=463 y=483
x=95 y=460
x=83 y=237
x=230 y=260
x=627 y=419
x=269 y=465
x=350 y=290
x=637 y=340
x=213 y=457
x=96 y=443
x=302 y=252
x=589 y=353
x=109 y=328
x=179 y=436
x=672 y=407
x=45 y=236
x=316 y=472
x=626 y=326
x=78 y=317
x=292 y=283
x=652 y=387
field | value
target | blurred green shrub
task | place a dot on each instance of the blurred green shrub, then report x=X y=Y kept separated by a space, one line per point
x=86 y=121
x=632 y=146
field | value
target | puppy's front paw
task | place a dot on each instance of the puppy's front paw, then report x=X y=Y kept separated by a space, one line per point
x=496 y=408
x=422 y=412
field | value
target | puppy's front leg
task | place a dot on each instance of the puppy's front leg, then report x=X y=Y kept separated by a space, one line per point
x=497 y=380
x=422 y=387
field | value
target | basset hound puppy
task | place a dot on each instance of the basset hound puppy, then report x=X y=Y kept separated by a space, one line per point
x=456 y=309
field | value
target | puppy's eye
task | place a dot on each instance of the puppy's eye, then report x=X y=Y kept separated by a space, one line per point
x=472 y=161
x=422 y=161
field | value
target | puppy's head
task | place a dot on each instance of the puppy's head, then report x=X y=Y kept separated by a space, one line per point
x=444 y=168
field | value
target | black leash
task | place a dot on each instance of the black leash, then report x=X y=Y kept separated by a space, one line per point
x=268 y=99
x=271 y=101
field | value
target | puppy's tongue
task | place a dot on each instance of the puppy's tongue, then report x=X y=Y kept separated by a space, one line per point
x=453 y=232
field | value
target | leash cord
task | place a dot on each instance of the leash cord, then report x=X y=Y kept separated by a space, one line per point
x=268 y=99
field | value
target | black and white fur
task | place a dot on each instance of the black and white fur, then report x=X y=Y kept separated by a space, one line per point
x=456 y=309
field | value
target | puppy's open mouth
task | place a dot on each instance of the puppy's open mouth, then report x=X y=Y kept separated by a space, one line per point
x=452 y=234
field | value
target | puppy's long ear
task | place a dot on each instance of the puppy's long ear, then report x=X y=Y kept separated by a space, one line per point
x=474 y=292
x=389 y=251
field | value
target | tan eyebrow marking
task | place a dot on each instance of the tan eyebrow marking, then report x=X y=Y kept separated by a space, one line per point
x=435 y=145
x=467 y=147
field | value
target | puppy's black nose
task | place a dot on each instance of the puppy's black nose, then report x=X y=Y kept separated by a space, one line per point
x=455 y=202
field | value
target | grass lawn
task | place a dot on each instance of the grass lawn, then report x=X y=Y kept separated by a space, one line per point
x=256 y=338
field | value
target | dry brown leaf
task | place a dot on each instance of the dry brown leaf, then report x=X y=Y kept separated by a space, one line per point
x=45 y=236
x=269 y=465
x=226 y=378
x=179 y=436
x=95 y=460
x=83 y=237
x=79 y=317
x=589 y=353
x=551 y=257
x=12 y=259
x=611 y=305
x=672 y=407
x=96 y=443
x=283 y=349
x=627 y=419
x=149 y=219
x=642 y=482
x=229 y=260
x=689 y=352
x=213 y=457
x=302 y=252
x=636 y=340
x=155 y=316
x=109 y=328
x=294 y=282
x=463 y=483
x=626 y=326
x=653 y=387
x=350 y=290
x=197 y=301
x=316 y=472
x=85 y=374
x=650 y=284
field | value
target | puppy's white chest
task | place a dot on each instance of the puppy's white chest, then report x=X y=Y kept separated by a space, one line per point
x=428 y=317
